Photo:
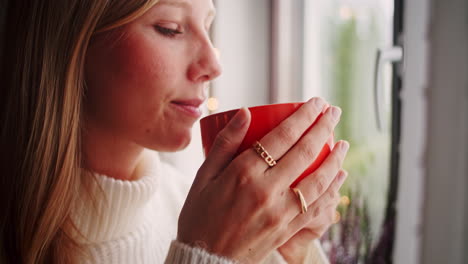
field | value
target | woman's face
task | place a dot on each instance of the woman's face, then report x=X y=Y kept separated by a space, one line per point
x=145 y=81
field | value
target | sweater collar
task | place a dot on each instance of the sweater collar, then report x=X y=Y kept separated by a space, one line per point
x=109 y=208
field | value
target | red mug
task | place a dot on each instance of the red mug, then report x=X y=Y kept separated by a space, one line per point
x=263 y=119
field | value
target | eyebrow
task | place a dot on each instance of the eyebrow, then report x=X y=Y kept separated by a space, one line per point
x=184 y=4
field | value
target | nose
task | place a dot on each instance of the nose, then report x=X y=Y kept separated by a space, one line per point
x=205 y=65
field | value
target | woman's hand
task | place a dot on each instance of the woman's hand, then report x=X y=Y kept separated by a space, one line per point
x=296 y=249
x=243 y=209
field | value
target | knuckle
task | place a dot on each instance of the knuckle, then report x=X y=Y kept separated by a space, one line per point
x=312 y=114
x=329 y=126
x=273 y=220
x=335 y=186
x=244 y=180
x=316 y=211
x=222 y=142
x=343 y=173
x=261 y=198
x=251 y=189
x=337 y=160
x=319 y=185
x=307 y=150
x=335 y=164
x=287 y=134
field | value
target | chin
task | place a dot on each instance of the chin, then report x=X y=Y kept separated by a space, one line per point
x=173 y=144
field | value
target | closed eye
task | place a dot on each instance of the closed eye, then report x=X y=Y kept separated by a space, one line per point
x=168 y=31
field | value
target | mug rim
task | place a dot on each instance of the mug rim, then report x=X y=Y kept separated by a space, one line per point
x=250 y=108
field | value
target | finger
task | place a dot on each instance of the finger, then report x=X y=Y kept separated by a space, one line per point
x=295 y=162
x=224 y=147
x=301 y=239
x=331 y=197
x=305 y=236
x=328 y=216
x=318 y=182
x=325 y=221
x=321 y=205
x=316 y=227
x=336 y=217
x=279 y=140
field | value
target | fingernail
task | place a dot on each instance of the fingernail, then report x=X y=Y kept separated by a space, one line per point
x=239 y=120
x=336 y=112
x=344 y=146
x=342 y=176
x=318 y=102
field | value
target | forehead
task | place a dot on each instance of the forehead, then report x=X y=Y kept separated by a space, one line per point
x=189 y=4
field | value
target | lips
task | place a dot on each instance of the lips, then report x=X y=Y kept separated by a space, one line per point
x=189 y=102
x=189 y=107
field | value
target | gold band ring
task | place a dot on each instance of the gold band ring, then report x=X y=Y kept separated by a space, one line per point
x=301 y=199
x=264 y=154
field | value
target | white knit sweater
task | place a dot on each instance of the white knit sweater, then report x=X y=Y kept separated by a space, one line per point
x=136 y=221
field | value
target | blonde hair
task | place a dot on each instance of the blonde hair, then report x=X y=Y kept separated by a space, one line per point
x=43 y=53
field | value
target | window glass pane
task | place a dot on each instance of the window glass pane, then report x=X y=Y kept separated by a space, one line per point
x=341 y=41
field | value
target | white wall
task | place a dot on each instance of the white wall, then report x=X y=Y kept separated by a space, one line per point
x=242 y=33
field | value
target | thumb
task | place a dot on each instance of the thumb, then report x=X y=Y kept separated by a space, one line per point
x=224 y=147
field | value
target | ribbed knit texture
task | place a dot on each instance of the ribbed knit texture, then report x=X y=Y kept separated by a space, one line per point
x=118 y=206
x=181 y=253
x=136 y=221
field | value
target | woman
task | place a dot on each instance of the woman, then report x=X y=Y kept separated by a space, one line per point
x=90 y=90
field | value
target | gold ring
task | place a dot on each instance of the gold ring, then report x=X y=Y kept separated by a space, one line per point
x=301 y=199
x=264 y=154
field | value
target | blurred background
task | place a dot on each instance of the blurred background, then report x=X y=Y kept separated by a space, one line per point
x=350 y=52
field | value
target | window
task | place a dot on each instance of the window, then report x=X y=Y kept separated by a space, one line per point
x=342 y=50
x=342 y=40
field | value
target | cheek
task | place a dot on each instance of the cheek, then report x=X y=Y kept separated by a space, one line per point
x=136 y=66
x=129 y=84
x=123 y=73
